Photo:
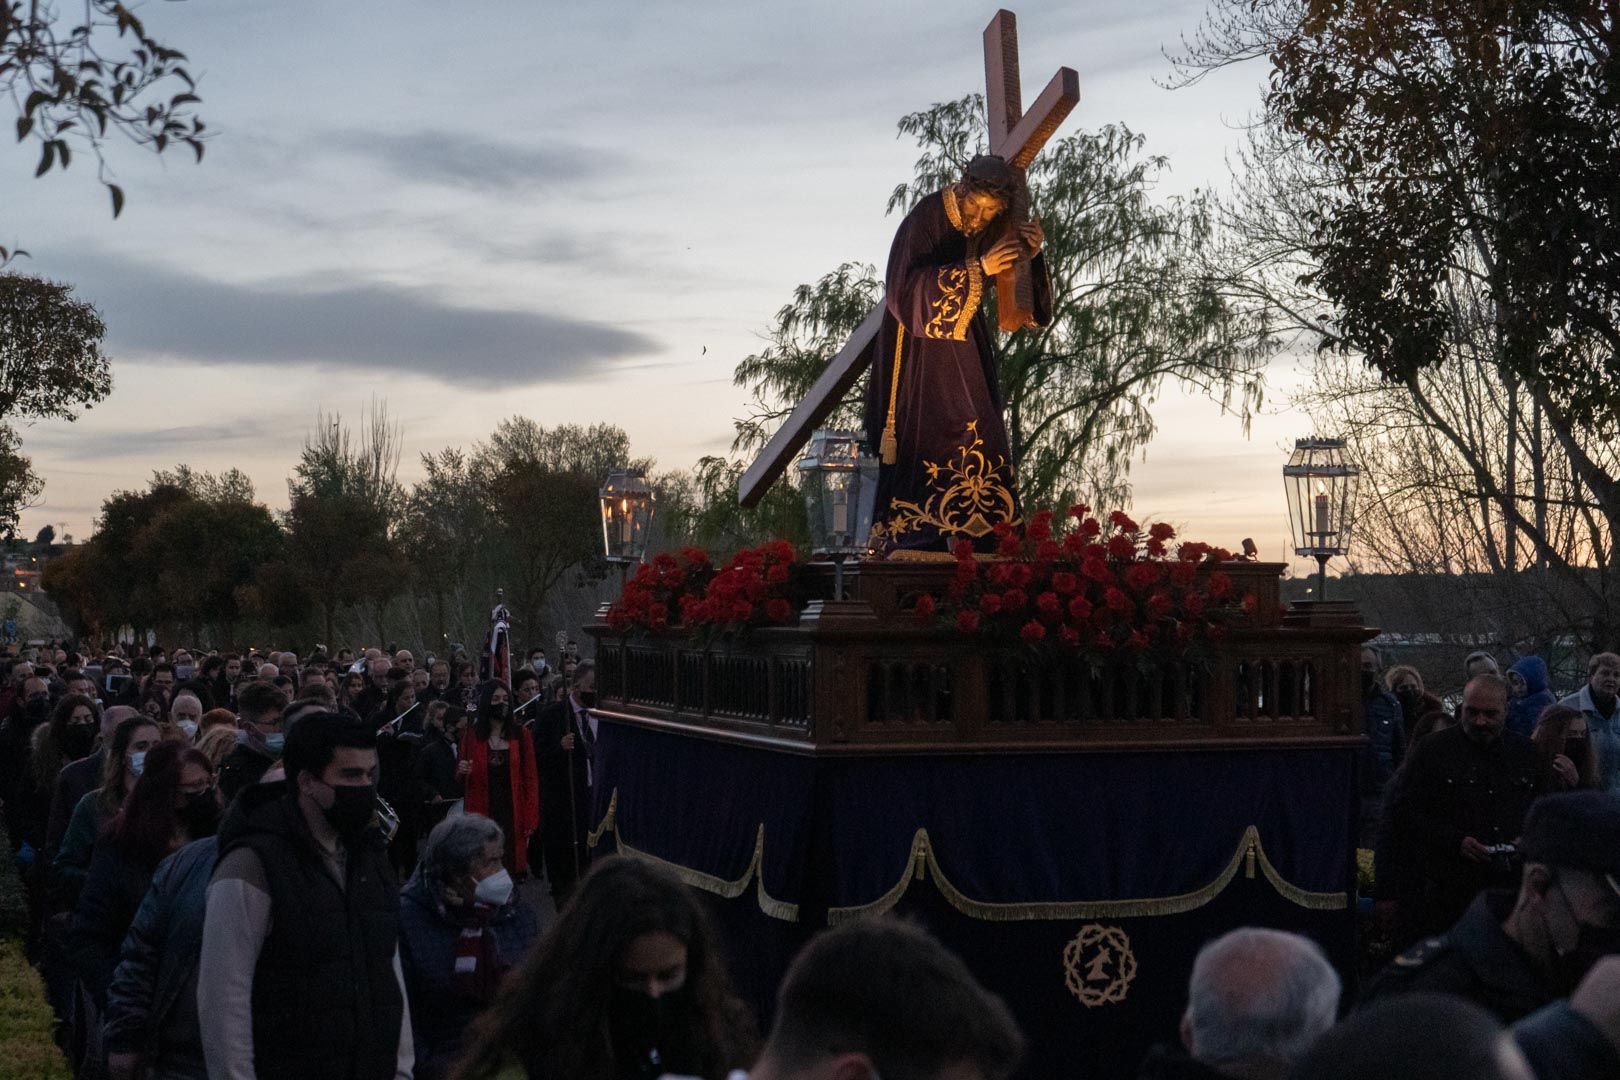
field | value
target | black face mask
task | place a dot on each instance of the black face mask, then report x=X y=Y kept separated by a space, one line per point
x=351 y=810
x=587 y=698
x=200 y=815
x=1409 y=696
x=646 y=1032
x=1369 y=681
x=78 y=740
x=37 y=707
x=1592 y=943
x=498 y=712
x=1579 y=751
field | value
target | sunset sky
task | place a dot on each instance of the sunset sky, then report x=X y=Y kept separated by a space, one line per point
x=572 y=213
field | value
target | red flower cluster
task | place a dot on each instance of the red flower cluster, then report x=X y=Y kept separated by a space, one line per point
x=759 y=586
x=1082 y=584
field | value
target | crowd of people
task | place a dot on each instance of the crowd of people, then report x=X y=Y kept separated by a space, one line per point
x=309 y=867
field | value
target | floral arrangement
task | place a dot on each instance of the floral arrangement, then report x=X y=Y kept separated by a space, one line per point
x=1092 y=586
x=763 y=586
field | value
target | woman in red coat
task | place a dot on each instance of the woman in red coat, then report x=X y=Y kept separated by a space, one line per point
x=498 y=768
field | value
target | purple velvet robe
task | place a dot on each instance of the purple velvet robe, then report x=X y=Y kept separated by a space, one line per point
x=953 y=474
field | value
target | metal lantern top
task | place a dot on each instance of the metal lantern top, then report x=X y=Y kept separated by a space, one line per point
x=840 y=485
x=627 y=511
x=1321 y=486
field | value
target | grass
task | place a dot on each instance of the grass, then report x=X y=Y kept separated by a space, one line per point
x=26 y=1049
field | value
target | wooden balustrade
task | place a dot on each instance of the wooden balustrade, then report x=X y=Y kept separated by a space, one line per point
x=862 y=676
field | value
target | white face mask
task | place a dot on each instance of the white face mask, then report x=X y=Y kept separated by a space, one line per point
x=137 y=762
x=187 y=726
x=494 y=890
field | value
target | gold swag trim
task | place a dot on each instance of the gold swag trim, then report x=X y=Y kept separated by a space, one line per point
x=697 y=879
x=923 y=862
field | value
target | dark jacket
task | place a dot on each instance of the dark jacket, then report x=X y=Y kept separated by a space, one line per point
x=434 y=772
x=1385 y=726
x=1476 y=960
x=326 y=969
x=152 y=1002
x=76 y=780
x=427 y=952
x=1454 y=788
x=242 y=768
x=555 y=721
x=1561 y=1044
x=1523 y=712
x=112 y=893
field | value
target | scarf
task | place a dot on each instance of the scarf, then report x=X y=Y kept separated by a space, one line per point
x=478 y=969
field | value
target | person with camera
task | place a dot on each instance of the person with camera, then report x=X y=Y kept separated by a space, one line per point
x=1455 y=810
x=1513 y=953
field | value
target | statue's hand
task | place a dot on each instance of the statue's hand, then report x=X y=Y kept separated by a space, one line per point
x=1001 y=256
x=1032 y=235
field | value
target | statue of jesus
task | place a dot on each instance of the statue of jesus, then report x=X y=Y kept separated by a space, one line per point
x=933 y=404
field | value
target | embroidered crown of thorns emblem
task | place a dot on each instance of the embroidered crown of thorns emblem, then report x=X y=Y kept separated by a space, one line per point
x=1098 y=965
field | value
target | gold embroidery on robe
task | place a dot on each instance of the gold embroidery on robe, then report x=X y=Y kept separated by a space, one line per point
x=971 y=495
x=960 y=289
x=952 y=210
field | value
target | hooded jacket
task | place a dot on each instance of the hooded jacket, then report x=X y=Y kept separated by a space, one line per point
x=1523 y=712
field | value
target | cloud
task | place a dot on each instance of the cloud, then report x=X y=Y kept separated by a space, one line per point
x=158 y=313
x=86 y=443
x=458 y=159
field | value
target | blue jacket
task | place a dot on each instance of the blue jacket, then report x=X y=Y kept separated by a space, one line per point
x=152 y=1002
x=427 y=952
x=1522 y=713
x=1604 y=731
x=1386 y=735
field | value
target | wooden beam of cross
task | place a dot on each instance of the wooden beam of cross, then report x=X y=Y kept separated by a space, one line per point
x=1017 y=137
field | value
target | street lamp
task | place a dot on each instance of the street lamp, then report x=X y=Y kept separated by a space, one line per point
x=1321 y=487
x=840 y=485
x=627 y=511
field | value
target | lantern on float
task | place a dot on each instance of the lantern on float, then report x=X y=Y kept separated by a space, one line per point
x=1321 y=487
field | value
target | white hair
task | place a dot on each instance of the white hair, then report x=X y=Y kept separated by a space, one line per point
x=1259 y=994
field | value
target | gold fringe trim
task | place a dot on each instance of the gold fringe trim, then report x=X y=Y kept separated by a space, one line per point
x=975 y=294
x=697 y=879
x=923 y=862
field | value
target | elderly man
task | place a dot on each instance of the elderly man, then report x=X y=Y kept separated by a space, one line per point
x=1456 y=809
x=403 y=659
x=1257 y=1001
x=1515 y=953
x=1599 y=699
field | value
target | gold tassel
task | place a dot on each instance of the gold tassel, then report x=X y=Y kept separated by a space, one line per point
x=889 y=447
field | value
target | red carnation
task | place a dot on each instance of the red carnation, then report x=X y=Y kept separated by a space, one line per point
x=696 y=555
x=1074 y=543
x=1048 y=551
x=1222 y=555
x=1090 y=527
x=1013 y=600
x=1079 y=511
x=1251 y=604
x=1010 y=547
x=1069 y=635
x=990 y=603
x=1161 y=531
x=779 y=610
x=1002 y=529
x=1156 y=549
x=1032 y=632
x=1020 y=575
x=1117 y=600
x=1121 y=546
x=1040 y=526
x=1079 y=609
x=1194 y=603
x=967 y=622
x=1122 y=521
x=1097 y=570
x=1050 y=607
x=777 y=575
x=925 y=607
x=963 y=550
x=1142 y=576
x=1064 y=583
x=1159 y=605
x=780 y=550
x=1192 y=551
x=1220 y=585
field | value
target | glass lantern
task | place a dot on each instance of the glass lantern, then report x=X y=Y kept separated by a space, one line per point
x=1321 y=487
x=627 y=511
x=840 y=485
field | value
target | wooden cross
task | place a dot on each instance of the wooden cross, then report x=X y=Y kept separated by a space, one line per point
x=1015 y=136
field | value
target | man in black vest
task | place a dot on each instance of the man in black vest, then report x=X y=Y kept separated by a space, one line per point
x=299 y=976
x=565 y=742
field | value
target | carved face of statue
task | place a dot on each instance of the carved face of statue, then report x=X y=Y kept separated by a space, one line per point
x=978 y=209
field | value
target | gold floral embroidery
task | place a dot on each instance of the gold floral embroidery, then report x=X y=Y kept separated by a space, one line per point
x=972 y=494
x=960 y=289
